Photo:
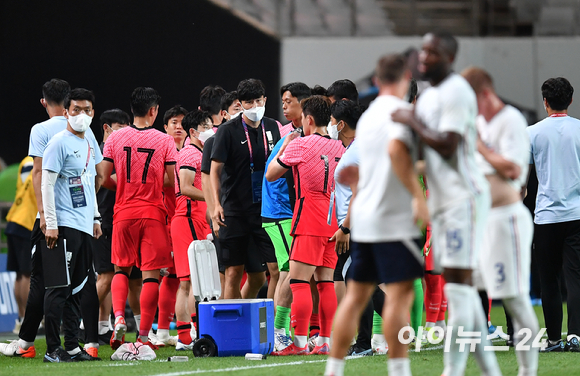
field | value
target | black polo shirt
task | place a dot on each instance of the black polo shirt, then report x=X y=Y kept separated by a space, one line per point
x=206 y=157
x=231 y=147
x=106 y=202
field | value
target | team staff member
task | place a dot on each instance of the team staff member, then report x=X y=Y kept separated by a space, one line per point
x=313 y=160
x=239 y=155
x=72 y=217
x=292 y=94
x=555 y=146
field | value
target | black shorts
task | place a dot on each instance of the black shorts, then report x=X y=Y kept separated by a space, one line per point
x=102 y=255
x=340 y=264
x=386 y=262
x=19 y=254
x=245 y=242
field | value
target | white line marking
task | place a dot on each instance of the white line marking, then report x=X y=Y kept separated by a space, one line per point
x=239 y=368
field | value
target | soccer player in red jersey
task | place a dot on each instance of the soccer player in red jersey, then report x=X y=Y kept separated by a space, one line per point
x=189 y=220
x=313 y=160
x=141 y=156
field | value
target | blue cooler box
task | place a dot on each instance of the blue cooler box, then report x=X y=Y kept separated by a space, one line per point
x=238 y=326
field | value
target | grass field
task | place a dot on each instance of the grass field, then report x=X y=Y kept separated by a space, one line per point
x=428 y=362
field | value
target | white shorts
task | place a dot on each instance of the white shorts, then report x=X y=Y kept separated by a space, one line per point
x=505 y=258
x=457 y=232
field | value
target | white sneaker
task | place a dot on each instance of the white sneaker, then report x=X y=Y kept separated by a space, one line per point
x=13 y=349
x=164 y=340
x=180 y=346
x=379 y=347
x=281 y=341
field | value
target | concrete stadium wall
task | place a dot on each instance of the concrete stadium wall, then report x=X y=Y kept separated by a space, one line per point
x=518 y=65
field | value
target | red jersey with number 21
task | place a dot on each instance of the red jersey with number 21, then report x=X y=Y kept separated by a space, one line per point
x=140 y=157
x=313 y=160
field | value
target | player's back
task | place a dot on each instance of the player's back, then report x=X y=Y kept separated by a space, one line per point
x=314 y=182
x=189 y=158
x=140 y=157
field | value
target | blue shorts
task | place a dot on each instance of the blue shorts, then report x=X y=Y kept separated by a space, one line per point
x=386 y=262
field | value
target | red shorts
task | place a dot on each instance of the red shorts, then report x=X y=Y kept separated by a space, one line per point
x=313 y=250
x=185 y=230
x=141 y=242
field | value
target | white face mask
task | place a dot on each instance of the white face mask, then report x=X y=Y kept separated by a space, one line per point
x=235 y=115
x=80 y=123
x=332 y=130
x=204 y=136
x=255 y=114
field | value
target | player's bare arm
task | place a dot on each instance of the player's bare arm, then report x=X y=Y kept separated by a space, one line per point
x=36 y=183
x=403 y=167
x=444 y=143
x=107 y=170
x=218 y=216
x=506 y=169
x=100 y=178
x=186 y=185
x=275 y=169
x=169 y=177
x=342 y=239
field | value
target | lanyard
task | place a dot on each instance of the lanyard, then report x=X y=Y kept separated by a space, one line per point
x=88 y=157
x=250 y=144
x=558 y=115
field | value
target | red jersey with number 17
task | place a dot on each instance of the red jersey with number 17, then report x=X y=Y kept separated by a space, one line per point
x=140 y=156
x=313 y=160
x=189 y=158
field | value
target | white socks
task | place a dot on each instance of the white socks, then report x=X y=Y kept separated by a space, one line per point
x=334 y=367
x=163 y=334
x=104 y=327
x=25 y=345
x=280 y=331
x=322 y=340
x=460 y=300
x=75 y=351
x=485 y=359
x=399 y=367
x=523 y=316
x=300 y=341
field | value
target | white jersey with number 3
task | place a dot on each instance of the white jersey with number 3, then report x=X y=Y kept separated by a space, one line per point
x=451 y=107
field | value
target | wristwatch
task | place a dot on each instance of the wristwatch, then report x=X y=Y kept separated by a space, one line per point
x=346 y=230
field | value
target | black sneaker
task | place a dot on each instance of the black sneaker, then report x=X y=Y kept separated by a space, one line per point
x=57 y=356
x=572 y=345
x=105 y=338
x=557 y=346
x=509 y=342
x=356 y=350
x=83 y=356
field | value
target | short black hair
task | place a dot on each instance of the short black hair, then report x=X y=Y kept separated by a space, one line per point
x=347 y=111
x=250 y=88
x=448 y=42
x=194 y=119
x=79 y=94
x=317 y=106
x=319 y=90
x=55 y=91
x=114 y=116
x=173 y=112
x=210 y=99
x=558 y=93
x=142 y=99
x=413 y=89
x=298 y=90
x=343 y=89
x=228 y=99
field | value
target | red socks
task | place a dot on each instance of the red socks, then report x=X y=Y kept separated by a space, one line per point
x=183 y=332
x=326 y=306
x=443 y=309
x=167 y=298
x=149 y=298
x=314 y=324
x=301 y=306
x=433 y=294
x=119 y=291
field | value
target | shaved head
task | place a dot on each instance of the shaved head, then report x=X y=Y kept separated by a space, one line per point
x=447 y=42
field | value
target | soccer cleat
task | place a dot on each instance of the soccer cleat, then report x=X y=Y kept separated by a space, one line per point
x=84 y=356
x=324 y=349
x=104 y=338
x=379 y=347
x=573 y=345
x=180 y=346
x=118 y=337
x=281 y=341
x=148 y=343
x=356 y=350
x=163 y=341
x=312 y=342
x=550 y=346
x=292 y=350
x=92 y=351
x=57 y=356
x=13 y=349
